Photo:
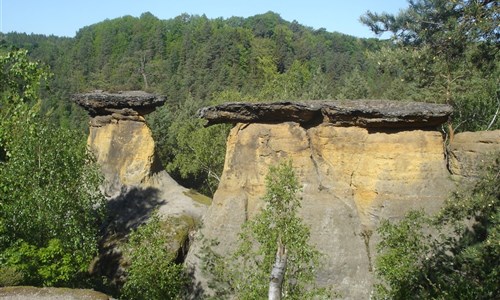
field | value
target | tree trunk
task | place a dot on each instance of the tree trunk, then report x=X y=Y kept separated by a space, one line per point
x=142 y=70
x=278 y=273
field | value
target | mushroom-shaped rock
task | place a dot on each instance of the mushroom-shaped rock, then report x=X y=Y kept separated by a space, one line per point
x=135 y=182
x=358 y=161
x=363 y=113
x=119 y=136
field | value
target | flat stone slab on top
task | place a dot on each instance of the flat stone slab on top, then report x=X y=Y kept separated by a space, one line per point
x=100 y=102
x=363 y=113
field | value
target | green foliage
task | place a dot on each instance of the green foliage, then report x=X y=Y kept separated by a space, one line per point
x=246 y=273
x=10 y=276
x=152 y=273
x=21 y=79
x=444 y=51
x=51 y=206
x=194 y=154
x=354 y=87
x=52 y=265
x=450 y=255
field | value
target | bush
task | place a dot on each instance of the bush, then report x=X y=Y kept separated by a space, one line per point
x=10 y=276
x=450 y=255
x=152 y=273
x=49 y=266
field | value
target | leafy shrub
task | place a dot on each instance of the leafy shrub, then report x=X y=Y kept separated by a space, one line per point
x=10 y=276
x=49 y=266
x=152 y=273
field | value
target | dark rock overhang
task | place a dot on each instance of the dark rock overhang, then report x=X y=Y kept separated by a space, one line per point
x=362 y=113
x=104 y=103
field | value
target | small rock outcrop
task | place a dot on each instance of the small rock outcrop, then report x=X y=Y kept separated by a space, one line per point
x=49 y=293
x=358 y=162
x=468 y=150
x=135 y=182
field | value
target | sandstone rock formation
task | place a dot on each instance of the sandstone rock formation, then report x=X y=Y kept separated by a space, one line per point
x=120 y=137
x=468 y=150
x=135 y=182
x=358 y=162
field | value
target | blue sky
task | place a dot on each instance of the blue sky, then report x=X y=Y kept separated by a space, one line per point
x=65 y=17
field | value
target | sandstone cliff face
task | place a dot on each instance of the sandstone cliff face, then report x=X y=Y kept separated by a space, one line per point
x=357 y=161
x=125 y=151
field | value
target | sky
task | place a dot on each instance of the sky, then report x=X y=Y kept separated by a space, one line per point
x=65 y=17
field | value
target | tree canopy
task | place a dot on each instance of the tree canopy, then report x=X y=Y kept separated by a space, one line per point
x=445 y=51
x=50 y=201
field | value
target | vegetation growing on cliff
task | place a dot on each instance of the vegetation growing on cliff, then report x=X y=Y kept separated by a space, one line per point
x=275 y=234
x=458 y=260
x=153 y=273
x=445 y=51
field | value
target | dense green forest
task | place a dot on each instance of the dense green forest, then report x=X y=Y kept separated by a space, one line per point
x=195 y=55
x=440 y=51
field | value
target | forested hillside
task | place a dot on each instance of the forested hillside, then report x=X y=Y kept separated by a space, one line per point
x=196 y=56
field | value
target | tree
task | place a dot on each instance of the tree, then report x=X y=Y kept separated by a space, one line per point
x=354 y=87
x=276 y=243
x=51 y=206
x=450 y=51
x=450 y=255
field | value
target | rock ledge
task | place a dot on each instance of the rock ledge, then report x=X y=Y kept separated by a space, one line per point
x=362 y=113
x=103 y=103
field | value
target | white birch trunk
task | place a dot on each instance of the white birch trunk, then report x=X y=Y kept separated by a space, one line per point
x=278 y=273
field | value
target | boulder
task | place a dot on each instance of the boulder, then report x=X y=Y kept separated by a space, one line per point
x=358 y=162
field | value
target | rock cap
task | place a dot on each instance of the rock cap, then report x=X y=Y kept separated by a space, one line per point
x=362 y=113
x=99 y=102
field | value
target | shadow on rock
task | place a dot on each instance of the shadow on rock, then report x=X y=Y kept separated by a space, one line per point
x=126 y=212
x=130 y=209
x=194 y=290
